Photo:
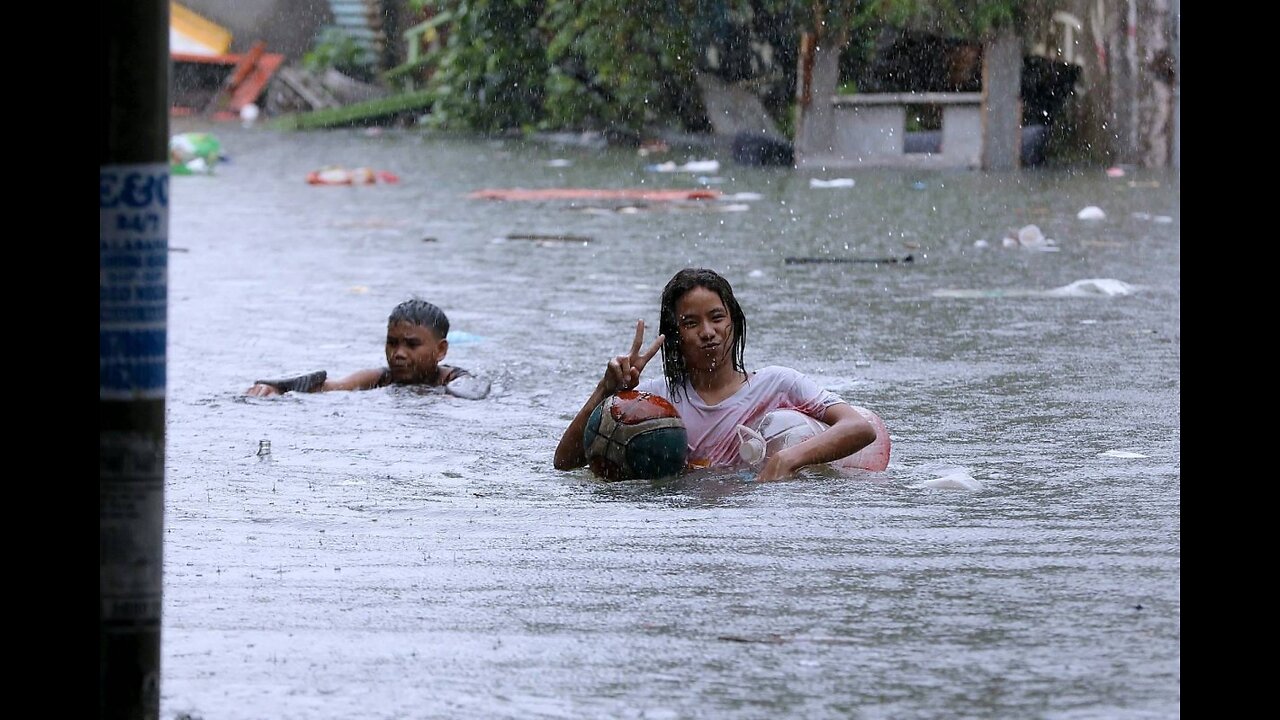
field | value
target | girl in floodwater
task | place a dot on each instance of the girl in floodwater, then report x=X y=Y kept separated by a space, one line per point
x=417 y=340
x=703 y=337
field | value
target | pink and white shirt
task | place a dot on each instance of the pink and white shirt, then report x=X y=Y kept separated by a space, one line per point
x=712 y=429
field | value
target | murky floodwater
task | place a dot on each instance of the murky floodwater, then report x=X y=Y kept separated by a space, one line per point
x=406 y=554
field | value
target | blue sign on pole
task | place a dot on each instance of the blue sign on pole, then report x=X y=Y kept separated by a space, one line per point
x=133 y=300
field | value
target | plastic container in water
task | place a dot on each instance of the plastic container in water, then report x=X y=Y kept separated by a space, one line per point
x=780 y=429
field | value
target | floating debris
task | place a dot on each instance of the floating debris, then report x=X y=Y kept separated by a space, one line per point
x=594 y=194
x=1031 y=238
x=694 y=166
x=550 y=240
x=835 y=260
x=833 y=183
x=1123 y=454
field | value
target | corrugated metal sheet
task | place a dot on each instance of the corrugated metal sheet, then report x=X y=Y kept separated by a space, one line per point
x=362 y=20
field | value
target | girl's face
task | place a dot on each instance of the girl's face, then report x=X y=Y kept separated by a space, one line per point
x=706 y=329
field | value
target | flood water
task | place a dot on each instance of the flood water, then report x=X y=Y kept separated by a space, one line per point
x=406 y=554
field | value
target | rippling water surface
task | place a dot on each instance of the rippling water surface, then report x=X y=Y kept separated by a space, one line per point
x=406 y=554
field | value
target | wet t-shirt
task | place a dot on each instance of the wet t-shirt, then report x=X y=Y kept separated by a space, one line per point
x=456 y=381
x=712 y=429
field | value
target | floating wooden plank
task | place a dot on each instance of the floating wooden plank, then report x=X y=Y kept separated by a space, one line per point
x=841 y=260
x=243 y=67
x=550 y=238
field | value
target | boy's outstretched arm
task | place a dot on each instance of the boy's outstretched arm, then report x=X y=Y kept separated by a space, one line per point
x=307 y=382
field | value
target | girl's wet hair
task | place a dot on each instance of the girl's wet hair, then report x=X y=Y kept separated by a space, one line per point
x=673 y=366
x=422 y=314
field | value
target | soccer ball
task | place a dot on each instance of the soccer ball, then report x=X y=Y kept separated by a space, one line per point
x=635 y=436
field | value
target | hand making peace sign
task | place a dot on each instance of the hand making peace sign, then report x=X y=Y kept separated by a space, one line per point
x=623 y=372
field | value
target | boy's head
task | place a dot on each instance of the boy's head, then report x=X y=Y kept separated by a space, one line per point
x=423 y=313
x=416 y=332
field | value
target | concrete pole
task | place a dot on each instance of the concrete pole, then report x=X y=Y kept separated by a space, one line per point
x=819 y=78
x=133 y=196
x=1175 y=34
x=1002 y=102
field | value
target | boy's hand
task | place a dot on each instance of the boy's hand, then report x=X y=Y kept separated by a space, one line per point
x=262 y=390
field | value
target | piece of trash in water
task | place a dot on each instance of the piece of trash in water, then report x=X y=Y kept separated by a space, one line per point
x=248 y=114
x=833 y=260
x=1091 y=287
x=1115 y=172
x=756 y=274
x=336 y=175
x=429 y=239
x=1125 y=454
x=917 y=185
x=458 y=337
x=358 y=289
x=1092 y=212
x=833 y=183
x=264 y=450
x=649 y=147
x=194 y=153
x=1109 y=287
x=981 y=244
x=559 y=162
x=577 y=239
x=1031 y=238
x=953 y=479
x=694 y=166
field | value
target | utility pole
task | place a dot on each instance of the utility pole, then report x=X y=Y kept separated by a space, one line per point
x=133 y=196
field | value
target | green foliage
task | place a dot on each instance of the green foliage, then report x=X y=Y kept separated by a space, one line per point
x=491 y=74
x=599 y=64
x=623 y=65
x=335 y=49
x=617 y=66
x=973 y=19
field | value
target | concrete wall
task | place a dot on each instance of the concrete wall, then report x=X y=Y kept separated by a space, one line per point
x=288 y=27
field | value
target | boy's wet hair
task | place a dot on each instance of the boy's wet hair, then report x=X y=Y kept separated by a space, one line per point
x=423 y=314
x=673 y=366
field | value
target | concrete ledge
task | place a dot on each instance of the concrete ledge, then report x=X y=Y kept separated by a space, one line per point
x=916 y=161
x=927 y=98
x=869 y=130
